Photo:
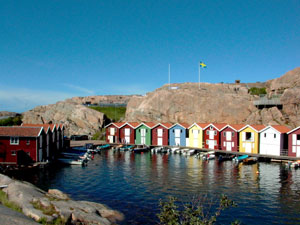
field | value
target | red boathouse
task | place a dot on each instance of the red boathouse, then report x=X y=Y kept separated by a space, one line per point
x=127 y=132
x=160 y=134
x=230 y=137
x=22 y=145
x=211 y=134
x=113 y=132
x=294 y=142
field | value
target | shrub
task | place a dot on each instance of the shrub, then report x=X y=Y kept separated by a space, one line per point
x=257 y=91
x=193 y=213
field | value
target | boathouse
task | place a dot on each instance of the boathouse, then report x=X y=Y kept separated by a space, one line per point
x=178 y=134
x=196 y=134
x=127 y=132
x=22 y=145
x=273 y=140
x=160 y=134
x=211 y=135
x=230 y=137
x=249 y=138
x=143 y=133
x=294 y=142
x=113 y=132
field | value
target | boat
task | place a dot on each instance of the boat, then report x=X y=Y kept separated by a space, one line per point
x=126 y=148
x=222 y=158
x=140 y=149
x=103 y=147
x=240 y=158
x=209 y=156
x=72 y=161
x=250 y=160
x=173 y=150
x=188 y=152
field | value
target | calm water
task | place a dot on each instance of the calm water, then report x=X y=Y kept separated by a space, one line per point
x=266 y=193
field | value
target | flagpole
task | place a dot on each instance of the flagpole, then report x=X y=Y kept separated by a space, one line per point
x=199 y=75
x=169 y=76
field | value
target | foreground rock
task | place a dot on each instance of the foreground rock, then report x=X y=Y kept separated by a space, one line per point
x=76 y=118
x=9 y=217
x=52 y=205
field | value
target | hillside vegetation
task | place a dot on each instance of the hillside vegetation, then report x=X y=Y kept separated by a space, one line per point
x=115 y=114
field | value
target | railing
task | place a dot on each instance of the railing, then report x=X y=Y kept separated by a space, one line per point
x=264 y=100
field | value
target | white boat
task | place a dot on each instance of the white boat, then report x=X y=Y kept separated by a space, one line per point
x=71 y=161
x=173 y=150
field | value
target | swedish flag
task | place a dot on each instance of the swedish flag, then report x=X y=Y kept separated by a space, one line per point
x=202 y=65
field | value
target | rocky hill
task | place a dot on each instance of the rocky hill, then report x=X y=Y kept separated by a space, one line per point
x=76 y=118
x=103 y=99
x=230 y=103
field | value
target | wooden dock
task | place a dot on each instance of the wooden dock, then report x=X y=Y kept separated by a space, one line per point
x=271 y=157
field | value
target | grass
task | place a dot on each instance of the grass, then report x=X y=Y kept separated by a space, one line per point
x=57 y=221
x=115 y=114
x=49 y=210
x=99 y=135
x=4 y=201
x=11 y=121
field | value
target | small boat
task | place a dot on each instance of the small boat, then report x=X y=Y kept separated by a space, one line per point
x=222 y=158
x=295 y=164
x=208 y=157
x=188 y=152
x=71 y=161
x=126 y=148
x=250 y=160
x=156 y=149
x=103 y=147
x=140 y=149
x=240 y=158
x=173 y=150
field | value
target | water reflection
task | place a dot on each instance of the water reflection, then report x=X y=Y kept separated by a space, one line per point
x=133 y=183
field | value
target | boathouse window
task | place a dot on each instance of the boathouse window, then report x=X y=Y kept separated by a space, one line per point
x=248 y=136
x=298 y=137
x=27 y=142
x=232 y=134
x=207 y=132
x=14 y=140
x=274 y=135
x=13 y=152
x=265 y=134
x=224 y=134
x=215 y=133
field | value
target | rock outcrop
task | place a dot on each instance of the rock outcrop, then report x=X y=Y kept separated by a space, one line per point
x=102 y=99
x=229 y=103
x=76 y=118
x=40 y=205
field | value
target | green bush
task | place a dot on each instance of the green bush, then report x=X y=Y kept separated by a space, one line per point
x=191 y=213
x=257 y=91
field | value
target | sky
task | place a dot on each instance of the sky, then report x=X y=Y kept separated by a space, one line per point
x=56 y=49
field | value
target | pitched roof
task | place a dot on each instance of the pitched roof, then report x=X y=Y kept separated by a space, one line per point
x=201 y=125
x=20 y=131
x=150 y=124
x=293 y=130
x=281 y=128
x=132 y=124
x=184 y=125
x=45 y=126
x=235 y=127
x=258 y=127
x=219 y=126
x=166 y=125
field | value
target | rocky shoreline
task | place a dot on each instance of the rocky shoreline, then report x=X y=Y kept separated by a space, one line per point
x=54 y=205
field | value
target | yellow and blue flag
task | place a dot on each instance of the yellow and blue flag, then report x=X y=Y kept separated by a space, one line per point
x=202 y=65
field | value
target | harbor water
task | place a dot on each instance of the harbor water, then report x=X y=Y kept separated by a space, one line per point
x=265 y=193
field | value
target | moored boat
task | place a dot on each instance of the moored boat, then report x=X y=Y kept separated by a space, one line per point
x=222 y=158
x=240 y=158
x=250 y=160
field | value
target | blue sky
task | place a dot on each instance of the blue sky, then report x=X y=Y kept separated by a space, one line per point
x=53 y=50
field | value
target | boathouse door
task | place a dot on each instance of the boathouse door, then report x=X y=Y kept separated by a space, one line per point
x=195 y=136
x=159 y=141
x=211 y=144
x=298 y=151
x=248 y=147
x=127 y=135
x=143 y=136
x=228 y=146
x=111 y=139
x=177 y=137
